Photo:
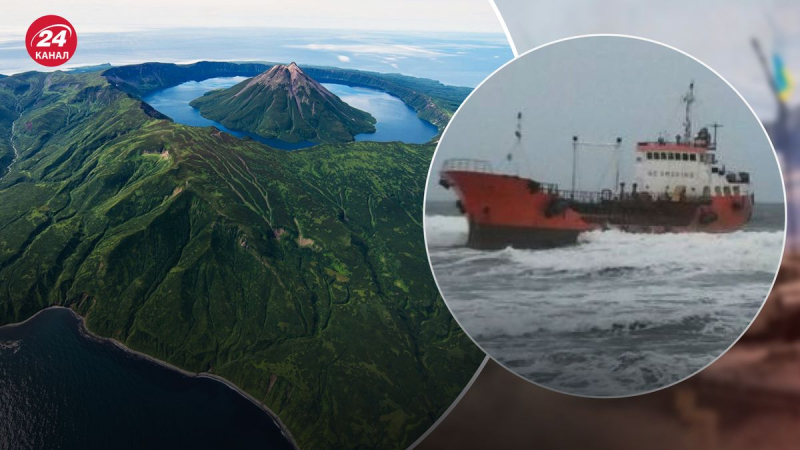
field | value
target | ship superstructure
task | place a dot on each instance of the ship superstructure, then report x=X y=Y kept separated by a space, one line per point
x=679 y=186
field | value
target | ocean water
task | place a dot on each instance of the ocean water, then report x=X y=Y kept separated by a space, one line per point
x=617 y=314
x=63 y=389
x=459 y=59
x=396 y=121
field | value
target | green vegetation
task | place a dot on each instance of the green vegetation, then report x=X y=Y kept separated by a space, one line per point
x=285 y=103
x=299 y=276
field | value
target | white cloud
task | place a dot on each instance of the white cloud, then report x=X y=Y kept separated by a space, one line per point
x=400 y=15
x=343 y=58
x=395 y=50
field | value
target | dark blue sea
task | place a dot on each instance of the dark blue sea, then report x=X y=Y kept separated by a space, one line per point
x=61 y=388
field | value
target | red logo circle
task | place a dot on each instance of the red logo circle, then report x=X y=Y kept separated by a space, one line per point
x=51 y=40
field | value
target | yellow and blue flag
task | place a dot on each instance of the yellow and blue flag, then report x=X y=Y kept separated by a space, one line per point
x=783 y=79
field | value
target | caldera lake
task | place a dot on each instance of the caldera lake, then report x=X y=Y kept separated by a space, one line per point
x=396 y=121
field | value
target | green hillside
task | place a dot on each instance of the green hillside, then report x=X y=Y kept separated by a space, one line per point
x=299 y=276
x=284 y=103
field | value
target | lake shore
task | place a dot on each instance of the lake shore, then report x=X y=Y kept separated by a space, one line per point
x=86 y=332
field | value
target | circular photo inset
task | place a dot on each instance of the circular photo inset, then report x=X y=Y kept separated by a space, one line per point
x=605 y=216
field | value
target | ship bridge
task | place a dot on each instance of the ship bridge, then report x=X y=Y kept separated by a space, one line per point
x=686 y=169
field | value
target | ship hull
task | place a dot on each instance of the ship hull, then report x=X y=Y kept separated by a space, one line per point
x=506 y=210
x=496 y=237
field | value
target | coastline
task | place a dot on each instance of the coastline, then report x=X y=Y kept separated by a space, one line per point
x=84 y=330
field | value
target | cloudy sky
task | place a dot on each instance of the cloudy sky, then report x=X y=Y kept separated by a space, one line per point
x=119 y=15
x=600 y=88
x=716 y=31
x=457 y=42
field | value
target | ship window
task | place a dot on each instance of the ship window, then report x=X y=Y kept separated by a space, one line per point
x=649 y=155
x=655 y=155
x=718 y=190
x=727 y=190
x=685 y=156
x=670 y=156
x=663 y=155
x=693 y=157
x=736 y=190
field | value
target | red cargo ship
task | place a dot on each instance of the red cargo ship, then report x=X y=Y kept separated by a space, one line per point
x=679 y=186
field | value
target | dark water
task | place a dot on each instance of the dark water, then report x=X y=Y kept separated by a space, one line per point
x=617 y=314
x=396 y=121
x=61 y=389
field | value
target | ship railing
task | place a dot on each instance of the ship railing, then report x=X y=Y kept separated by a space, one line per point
x=586 y=196
x=469 y=165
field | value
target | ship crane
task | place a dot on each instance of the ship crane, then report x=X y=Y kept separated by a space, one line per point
x=577 y=144
x=516 y=161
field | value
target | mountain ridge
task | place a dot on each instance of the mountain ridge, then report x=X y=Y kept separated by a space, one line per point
x=299 y=276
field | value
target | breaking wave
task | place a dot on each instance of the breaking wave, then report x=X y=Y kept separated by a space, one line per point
x=616 y=314
x=446 y=231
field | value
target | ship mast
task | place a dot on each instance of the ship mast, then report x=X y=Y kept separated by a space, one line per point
x=688 y=99
x=517 y=147
x=716 y=126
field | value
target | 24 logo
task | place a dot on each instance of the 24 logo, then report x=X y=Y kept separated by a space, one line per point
x=51 y=41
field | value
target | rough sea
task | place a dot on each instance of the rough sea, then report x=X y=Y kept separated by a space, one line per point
x=618 y=314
